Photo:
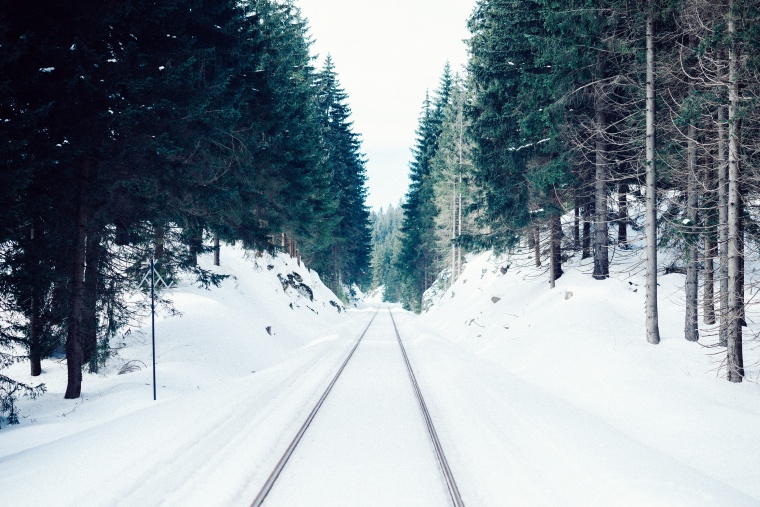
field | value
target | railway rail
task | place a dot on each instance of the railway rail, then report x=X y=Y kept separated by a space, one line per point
x=453 y=490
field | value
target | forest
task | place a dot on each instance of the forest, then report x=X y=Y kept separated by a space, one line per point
x=580 y=126
x=143 y=132
x=139 y=132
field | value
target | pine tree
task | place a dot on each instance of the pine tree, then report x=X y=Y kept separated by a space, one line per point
x=199 y=115
x=417 y=259
x=385 y=251
x=453 y=192
x=346 y=260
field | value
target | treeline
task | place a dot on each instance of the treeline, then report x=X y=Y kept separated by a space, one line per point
x=592 y=110
x=440 y=192
x=386 y=245
x=132 y=130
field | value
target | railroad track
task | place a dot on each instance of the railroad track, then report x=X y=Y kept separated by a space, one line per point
x=453 y=491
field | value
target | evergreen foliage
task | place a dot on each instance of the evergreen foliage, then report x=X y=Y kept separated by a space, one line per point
x=346 y=259
x=417 y=258
x=562 y=107
x=386 y=246
x=140 y=129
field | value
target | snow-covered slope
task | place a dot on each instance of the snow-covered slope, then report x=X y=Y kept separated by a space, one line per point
x=573 y=392
x=220 y=377
x=539 y=396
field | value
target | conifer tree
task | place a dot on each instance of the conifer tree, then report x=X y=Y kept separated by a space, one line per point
x=385 y=251
x=417 y=259
x=450 y=170
x=346 y=261
x=191 y=117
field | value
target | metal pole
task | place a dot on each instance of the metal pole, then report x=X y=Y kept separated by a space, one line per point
x=153 y=319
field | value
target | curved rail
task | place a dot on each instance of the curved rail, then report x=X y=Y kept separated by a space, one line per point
x=289 y=451
x=456 y=498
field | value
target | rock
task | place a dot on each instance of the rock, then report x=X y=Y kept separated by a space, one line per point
x=305 y=291
x=495 y=299
x=269 y=330
x=294 y=280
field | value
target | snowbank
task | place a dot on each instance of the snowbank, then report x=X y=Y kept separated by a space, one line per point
x=572 y=391
x=223 y=394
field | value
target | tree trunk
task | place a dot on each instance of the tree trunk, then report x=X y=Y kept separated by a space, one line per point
x=587 y=213
x=196 y=244
x=577 y=223
x=623 y=214
x=453 y=230
x=708 y=301
x=652 y=318
x=537 y=244
x=710 y=203
x=740 y=286
x=459 y=228
x=601 y=241
x=35 y=307
x=735 y=363
x=74 y=358
x=556 y=249
x=552 y=246
x=35 y=338
x=89 y=312
x=158 y=252
x=691 y=324
x=216 y=249
x=723 y=224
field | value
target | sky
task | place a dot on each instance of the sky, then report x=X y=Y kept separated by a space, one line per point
x=387 y=54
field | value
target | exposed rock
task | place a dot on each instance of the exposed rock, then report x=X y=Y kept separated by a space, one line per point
x=295 y=281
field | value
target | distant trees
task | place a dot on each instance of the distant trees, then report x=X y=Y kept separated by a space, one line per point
x=417 y=260
x=140 y=129
x=386 y=247
x=450 y=173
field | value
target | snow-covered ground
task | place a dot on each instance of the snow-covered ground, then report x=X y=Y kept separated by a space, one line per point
x=565 y=402
x=539 y=397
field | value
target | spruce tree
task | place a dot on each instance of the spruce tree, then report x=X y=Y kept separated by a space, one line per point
x=346 y=261
x=417 y=259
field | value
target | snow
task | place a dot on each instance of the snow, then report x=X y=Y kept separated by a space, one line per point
x=539 y=397
x=47 y=69
x=376 y=453
x=565 y=402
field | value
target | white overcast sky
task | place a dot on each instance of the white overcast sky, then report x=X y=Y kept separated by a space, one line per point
x=386 y=54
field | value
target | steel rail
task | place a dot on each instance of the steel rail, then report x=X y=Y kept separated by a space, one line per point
x=456 y=498
x=289 y=451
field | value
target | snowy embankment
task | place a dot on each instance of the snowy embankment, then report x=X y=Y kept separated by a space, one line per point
x=539 y=397
x=563 y=401
x=225 y=399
